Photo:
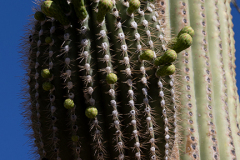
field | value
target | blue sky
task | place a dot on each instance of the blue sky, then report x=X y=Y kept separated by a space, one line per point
x=14 y=15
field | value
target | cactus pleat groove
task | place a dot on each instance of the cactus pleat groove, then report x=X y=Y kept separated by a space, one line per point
x=119 y=80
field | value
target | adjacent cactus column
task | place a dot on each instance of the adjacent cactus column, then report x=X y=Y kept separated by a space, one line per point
x=118 y=80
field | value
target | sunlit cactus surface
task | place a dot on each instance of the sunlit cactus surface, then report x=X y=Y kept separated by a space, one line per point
x=131 y=79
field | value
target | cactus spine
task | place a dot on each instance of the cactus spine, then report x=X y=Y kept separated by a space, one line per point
x=118 y=80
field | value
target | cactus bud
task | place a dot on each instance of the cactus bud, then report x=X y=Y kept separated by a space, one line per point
x=165 y=70
x=168 y=57
x=48 y=40
x=181 y=43
x=45 y=73
x=47 y=86
x=133 y=5
x=111 y=78
x=52 y=9
x=147 y=55
x=68 y=104
x=104 y=6
x=39 y=16
x=91 y=112
x=188 y=30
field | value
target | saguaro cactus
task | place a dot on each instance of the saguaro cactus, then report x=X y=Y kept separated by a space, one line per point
x=113 y=79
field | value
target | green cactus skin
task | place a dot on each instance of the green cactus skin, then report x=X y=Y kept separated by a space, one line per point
x=119 y=80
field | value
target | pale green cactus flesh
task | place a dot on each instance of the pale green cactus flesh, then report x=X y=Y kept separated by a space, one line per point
x=132 y=79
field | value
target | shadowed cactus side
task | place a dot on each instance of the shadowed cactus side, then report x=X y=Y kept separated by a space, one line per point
x=118 y=80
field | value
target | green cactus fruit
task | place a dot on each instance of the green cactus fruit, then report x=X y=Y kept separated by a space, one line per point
x=68 y=104
x=47 y=86
x=75 y=138
x=165 y=70
x=147 y=55
x=52 y=9
x=39 y=16
x=133 y=6
x=168 y=57
x=181 y=43
x=104 y=6
x=48 y=40
x=111 y=78
x=45 y=73
x=91 y=112
x=188 y=30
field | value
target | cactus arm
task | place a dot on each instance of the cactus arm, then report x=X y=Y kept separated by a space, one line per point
x=203 y=97
x=233 y=112
x=186 y=106
x=229 y=80
x=218 y=89
x=236 y=97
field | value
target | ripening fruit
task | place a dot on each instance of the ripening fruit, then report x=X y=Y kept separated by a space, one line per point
x=165 y=70
x=133 y=5
x=181 y=43
x=147 y=55
x=69 y=104
x=168 y=57
x=45 y=73
x=91 y=112
x=111 y=78
x=188 y=30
